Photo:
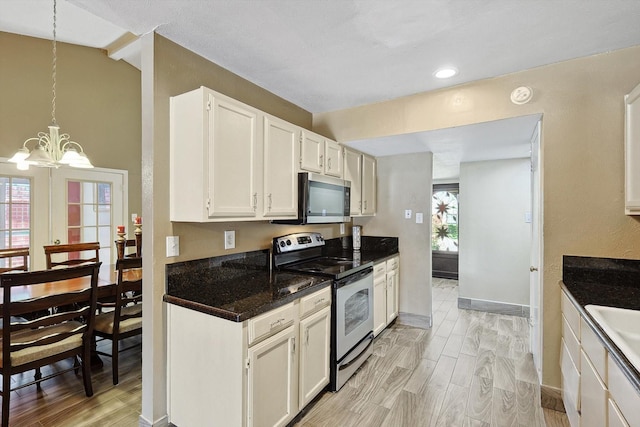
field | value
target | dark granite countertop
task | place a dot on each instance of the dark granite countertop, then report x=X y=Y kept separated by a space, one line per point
x=236 y=287
x=607 y=282
x=240 y=286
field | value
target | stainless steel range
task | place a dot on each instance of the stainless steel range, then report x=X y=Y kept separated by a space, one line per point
x=352 y=306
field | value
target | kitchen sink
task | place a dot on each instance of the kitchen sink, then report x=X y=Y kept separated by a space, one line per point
x=622 y=326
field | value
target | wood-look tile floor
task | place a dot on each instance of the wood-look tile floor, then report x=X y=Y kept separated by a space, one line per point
x=470 y=369
x=62 y=401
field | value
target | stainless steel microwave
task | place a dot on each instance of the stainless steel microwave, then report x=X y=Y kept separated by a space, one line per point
x=321 y=200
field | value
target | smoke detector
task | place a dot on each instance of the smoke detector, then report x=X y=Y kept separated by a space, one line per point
x=521 y=95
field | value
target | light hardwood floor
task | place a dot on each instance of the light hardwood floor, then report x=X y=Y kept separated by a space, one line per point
x=470 y=369
x=62 y=401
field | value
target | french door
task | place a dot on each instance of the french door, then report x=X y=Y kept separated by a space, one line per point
x=86 y=206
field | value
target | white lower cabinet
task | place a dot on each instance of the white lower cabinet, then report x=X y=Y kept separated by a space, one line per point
x=386 y=280
x=272 y=380
x=593 y=395
x=260 y=372
x=595 y=391
x=379 y=297
x=315 y=342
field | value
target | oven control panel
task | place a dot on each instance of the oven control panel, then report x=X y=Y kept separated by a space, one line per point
x=297 y=241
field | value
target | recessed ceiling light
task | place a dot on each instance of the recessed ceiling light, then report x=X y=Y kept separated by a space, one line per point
x=445 y=73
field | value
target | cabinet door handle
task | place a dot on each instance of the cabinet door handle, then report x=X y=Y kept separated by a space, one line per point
x=293 y=348
x=320 y=301
x=255 y=201
x=321 y=160
x=307 y=338
x=269 y=201
x=329 y=163
x=365 y=205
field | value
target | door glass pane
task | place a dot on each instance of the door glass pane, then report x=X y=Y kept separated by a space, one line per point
x=356 y=310
x=73 y=192
x=89 y=219
x=15 y=215
x=445 y=221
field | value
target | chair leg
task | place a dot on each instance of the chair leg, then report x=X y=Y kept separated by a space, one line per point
x=37 y=376
x=6 y=393
x=86 y=369
x=114 y=360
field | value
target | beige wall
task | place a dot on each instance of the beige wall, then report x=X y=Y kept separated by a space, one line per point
x=97 y=103
x=582 y=155
x=168 y=70
x=402 y=181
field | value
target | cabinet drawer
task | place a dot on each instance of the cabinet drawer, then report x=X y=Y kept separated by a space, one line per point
x=392 y=264
x=379 y=269
x=572 y=315
x=315 y=301
x=593 y=396
x=570 y=383
x=571 y=341
x=594 y=350
x=624 y=395
x=271 y=322
x=615 y=417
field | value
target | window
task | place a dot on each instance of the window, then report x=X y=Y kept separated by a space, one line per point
x=15 y=214
x=444 y=218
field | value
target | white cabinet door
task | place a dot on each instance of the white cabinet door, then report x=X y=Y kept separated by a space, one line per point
x=353 y=173
x=379 y=304
x=593 y=396
x=333 y=156
x=233 y=160
x=280 y=176
x=315 y=339
x=368 y=185
x=392 y=295
x=272 y=380
x=632 y=152
x=311 y=152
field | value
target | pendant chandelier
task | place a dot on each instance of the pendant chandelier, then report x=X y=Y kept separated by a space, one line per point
x=52 y=149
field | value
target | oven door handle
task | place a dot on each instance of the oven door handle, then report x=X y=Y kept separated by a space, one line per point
x=354 y=277
x=361 y=353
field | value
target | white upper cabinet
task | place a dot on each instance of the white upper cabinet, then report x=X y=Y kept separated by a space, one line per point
x=632 y=152
x=360 y=169
x=369 y=178
x=311 y=152
x=353 y=173
x=320 y=155
x=333 y=156
x=230 y=161
x=281 y=152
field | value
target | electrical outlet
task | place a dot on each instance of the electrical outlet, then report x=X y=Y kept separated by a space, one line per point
x=229 y=239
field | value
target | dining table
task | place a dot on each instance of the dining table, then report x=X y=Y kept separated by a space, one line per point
x=107 y=281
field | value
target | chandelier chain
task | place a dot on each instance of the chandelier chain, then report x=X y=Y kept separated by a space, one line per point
x=53 y=72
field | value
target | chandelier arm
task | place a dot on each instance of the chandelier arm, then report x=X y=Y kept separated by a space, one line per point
x=69 y=144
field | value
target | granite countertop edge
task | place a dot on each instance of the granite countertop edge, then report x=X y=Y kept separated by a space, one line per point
x=627 y=368
x=241 y=317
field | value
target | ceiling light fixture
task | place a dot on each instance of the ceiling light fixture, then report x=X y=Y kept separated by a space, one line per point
x=52 y=149
x=445 y=73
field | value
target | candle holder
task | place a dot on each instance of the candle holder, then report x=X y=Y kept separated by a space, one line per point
x=138 y=236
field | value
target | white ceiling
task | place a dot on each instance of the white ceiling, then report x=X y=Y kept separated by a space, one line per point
x=325 y=55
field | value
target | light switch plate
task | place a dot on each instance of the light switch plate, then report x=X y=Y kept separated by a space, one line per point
x=419 y=218
x=173 y=246
x=133 y=217
x=229 y=239
x=407 y=214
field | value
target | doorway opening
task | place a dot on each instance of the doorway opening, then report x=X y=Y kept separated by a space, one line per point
x=444 y=235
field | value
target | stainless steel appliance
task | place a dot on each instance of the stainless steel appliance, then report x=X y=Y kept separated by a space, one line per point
x=321 y=200
x=356 y=234
x=352 y=304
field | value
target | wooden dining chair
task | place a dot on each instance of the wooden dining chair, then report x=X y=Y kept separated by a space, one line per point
x=125 y=318
x=7 y=262
x=123 y=245
x=47 y=338
x=76 y=253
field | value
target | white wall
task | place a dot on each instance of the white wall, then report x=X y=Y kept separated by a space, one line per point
x=494 y=237
x=404 y=182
